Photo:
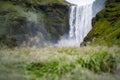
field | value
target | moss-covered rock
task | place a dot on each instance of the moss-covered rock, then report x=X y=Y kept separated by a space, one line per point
x=31 y=18
x=106 y=26
x=39 y=2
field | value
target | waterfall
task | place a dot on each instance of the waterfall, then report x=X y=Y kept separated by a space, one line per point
x=80 y=20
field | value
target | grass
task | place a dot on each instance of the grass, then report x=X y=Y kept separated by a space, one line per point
x=85 y=63
x=106 y=26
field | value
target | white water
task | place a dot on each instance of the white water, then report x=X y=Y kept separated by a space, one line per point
x=80 y=20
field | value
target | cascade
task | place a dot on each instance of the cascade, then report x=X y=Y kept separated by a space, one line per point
x=80 y=20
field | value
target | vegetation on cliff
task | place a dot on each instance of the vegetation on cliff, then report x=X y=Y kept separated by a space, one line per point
x=106 y=26
x=39 y=2
x=19 y=19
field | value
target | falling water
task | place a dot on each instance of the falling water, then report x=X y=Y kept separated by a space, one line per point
x=80 y=20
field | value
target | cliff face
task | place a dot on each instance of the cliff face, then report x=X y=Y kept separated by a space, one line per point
x=39 y=21
x=106 y=25
x=21 y=19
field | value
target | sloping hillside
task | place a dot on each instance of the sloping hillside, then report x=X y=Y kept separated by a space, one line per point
x=106 y=26
x=44 y=20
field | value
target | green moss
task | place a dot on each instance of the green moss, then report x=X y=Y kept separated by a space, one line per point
x=106 y=26
x=98 y=29
x=16 y=14
x=39 y=2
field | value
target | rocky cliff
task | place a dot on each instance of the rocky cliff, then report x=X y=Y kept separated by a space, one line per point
x=106 y=25
x=22 y=21
x=30 y=22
